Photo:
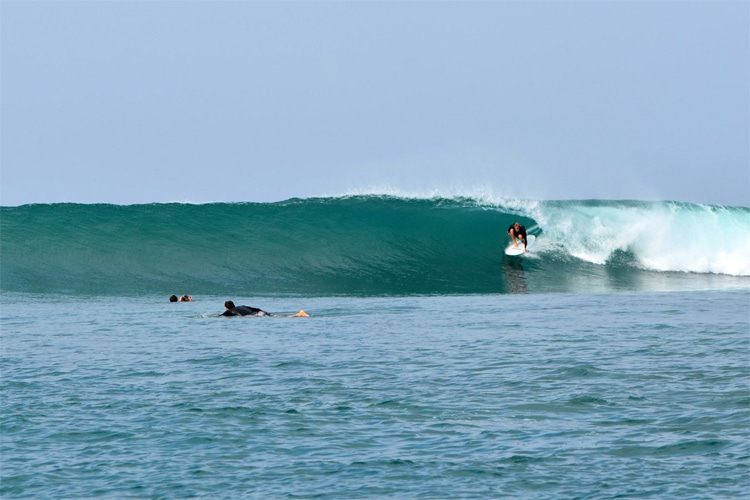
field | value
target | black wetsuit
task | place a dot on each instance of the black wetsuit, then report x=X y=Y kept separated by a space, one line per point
x=521 y=233
x=245 y=311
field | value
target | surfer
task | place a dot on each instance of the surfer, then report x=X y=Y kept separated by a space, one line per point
x=232 y=310
x=516 y=230
x=182 y=298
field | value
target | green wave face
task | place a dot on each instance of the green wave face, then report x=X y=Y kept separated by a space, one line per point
x=363 y=245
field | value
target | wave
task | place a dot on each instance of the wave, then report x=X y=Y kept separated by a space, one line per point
x=370 y=245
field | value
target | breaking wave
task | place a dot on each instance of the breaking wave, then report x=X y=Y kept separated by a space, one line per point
x=371 y=245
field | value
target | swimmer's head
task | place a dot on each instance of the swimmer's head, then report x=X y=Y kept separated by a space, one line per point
x=229 y=304
x=173 y=298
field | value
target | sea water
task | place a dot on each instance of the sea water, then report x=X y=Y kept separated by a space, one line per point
x=553 y=377
x=534 y=396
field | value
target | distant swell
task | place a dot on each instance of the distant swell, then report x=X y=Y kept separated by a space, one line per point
x=369 y=245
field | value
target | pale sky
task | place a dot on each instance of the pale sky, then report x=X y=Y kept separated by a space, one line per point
x=199 y=101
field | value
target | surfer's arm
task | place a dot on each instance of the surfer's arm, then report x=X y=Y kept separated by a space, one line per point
x=512 y=234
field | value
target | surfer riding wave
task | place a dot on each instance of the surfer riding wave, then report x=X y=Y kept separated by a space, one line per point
x=517 y=231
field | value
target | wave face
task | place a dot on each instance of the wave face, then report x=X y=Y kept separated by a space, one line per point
x=370 y=245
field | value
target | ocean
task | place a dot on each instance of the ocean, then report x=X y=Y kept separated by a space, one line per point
x=612 y=361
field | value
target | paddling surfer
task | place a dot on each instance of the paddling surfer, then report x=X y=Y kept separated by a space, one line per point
x=182 y=298
x=518 y=231
x=232 y=310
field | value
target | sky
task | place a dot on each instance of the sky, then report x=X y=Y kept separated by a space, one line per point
x=203 y=101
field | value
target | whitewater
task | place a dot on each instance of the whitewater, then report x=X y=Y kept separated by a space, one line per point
x=609 y=362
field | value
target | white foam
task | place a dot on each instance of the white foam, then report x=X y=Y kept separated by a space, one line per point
x=662 y=236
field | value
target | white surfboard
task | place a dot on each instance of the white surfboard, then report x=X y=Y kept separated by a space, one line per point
x=511 y=250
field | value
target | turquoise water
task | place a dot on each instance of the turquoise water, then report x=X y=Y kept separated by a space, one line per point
x=611 y=362
x=370 y=246
x=624 y=395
